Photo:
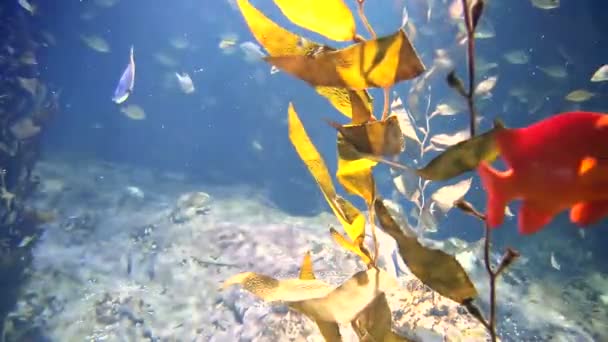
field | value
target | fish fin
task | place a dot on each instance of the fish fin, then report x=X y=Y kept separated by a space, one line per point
x=587 y=165
x=532 y=218
x=497 y=185
x=588 y=213
x=122 y=98
x=602 y=122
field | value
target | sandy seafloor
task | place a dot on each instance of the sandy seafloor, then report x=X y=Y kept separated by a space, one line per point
x=118 y=265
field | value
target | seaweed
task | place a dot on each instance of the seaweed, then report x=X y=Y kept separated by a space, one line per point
x=27 y=104
x=344 y=77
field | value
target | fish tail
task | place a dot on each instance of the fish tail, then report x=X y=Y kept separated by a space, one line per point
x=497 y=186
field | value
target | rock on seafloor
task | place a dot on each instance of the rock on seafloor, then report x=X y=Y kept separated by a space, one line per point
x=150 y=267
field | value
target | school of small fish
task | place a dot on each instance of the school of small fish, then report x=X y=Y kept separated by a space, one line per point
x=532 y=216
x=229 y=43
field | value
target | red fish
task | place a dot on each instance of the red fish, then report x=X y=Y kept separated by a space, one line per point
x=556 y=164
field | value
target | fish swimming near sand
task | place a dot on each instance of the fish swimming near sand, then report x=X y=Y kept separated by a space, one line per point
x=556 y=164
x=126 y=82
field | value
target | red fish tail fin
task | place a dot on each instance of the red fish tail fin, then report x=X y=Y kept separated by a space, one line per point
x=497 y=186
x=533 y=217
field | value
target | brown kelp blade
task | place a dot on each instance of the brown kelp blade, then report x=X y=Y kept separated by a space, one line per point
x=435 y=268
x=330 y=331
x=361 y=105
x=476 y=11
x=355 y=141
x=379 y=138
x=463 y=157
x=329 y=18
x=375 y=322
x=353 y=104
x=378 y=63
x=355 y=174
x=280 y=42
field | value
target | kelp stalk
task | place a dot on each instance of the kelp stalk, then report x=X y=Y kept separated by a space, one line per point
x=507 y=259
x=364 y=18
x=470 y=27
x=427 y=118
x=386 y=106
x=492 y=275
x=471 y=17
x=372 y=220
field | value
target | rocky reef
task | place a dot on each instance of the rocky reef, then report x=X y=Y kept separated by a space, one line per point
x=137 y=255
x=27 y=104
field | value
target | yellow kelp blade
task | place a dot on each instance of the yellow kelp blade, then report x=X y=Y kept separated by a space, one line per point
x=306 y=271
x=309 y=154
x=270 y=289
x=346 y=301
x=463 y=157
x=350 y=217
x=352 y=220
x=280 y=42
x=353 y=104
x=378 y=63
x=354 y=247
x=355 y=174
x=355 y=142
x=318 y=300
x=362 y=106
x=375 y=322
x=379 y=138
x=329 y=18
x=435 y=268
x=330 y=331
x=275 y=39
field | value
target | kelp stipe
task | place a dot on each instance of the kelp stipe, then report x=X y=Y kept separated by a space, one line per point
x=472 y=14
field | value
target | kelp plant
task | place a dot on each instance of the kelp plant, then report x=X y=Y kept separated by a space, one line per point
x=343 y=76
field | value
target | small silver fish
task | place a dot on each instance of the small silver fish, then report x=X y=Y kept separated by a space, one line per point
x=253 y=52
x=185 y=83
x=405 y=17
x=126 y=82
x=545 y=4
x=554 y=262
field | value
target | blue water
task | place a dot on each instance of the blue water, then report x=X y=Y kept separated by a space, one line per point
x=208 y=134
x=181 y=133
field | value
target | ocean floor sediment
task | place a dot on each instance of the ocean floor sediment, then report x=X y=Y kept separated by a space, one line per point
x=138 y=255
